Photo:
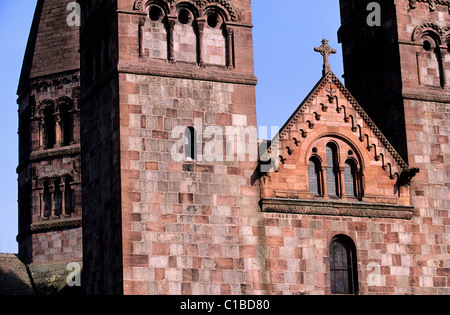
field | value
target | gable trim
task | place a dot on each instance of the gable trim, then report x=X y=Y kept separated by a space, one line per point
x=284 y=132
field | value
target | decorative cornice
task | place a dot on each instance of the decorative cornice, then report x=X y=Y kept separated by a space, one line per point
x=443 y=33
x=191 y=73
x=336 y=208
x=50 y=226
x=74 y=149
x=55 y=225
x=431 y=4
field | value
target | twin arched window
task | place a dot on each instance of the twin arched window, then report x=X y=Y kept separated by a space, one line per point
x=186 y=33
x=57 y=126
x=331 y=179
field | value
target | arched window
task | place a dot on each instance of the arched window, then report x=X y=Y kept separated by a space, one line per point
x=190 y=144
x=49 y=128
x=332 y=174
x=314 y=177
x=69 y=198
x=66 y=125
x=350 y=179
x=185 y=42
x=58 y=199
x=343 y=266
x=47 y=206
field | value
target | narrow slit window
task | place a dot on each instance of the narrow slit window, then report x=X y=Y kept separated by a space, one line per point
x=190 y=144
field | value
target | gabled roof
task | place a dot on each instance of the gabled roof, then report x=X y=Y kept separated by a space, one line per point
x=330 y=79
x=14 y=276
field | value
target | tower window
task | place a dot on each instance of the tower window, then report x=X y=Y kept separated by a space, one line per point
x=47 y=206
x=49 y=128
x=190 y=144
x=213 y=20
x=57 y=199
x=343 y=266
x=66 y=125
x=155 y=13
x=69 y=198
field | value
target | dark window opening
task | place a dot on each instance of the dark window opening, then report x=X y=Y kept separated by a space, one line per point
x=47 y=201
x=343 y=266
x=350 y=179
x=49 y=129
x=58 y=199
x=213 y=20
x=190 y=144
x=69 y=199
x=184 y=17
x=67 y=126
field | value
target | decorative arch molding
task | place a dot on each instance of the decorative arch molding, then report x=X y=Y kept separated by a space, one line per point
x=43 y=105
x=435 y=40
x=65 y=101
x=201 y=5
x=345 y=136
x=431 y=4
x=431 y=30
x=53 y=105
x=142 y=5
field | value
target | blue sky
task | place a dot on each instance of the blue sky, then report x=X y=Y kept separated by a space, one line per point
x=286 y=65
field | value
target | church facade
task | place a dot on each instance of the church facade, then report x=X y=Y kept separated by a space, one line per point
x=140 y=158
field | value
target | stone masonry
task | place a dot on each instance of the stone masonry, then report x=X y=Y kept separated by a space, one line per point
x=157 y=112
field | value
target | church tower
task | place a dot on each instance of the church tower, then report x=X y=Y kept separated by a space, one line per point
x=166 y=189
x=397 y=65
x=49 y=167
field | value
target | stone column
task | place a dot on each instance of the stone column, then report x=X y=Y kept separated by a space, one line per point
x=171 y=21
x=141 y=36
x=201 y=27
x=41 y=203
x=229 y=31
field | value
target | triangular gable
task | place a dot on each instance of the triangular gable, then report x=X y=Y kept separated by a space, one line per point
x=321 y=88
x=331 y=111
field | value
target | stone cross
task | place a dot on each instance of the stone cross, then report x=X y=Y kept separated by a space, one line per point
x=325 y=50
